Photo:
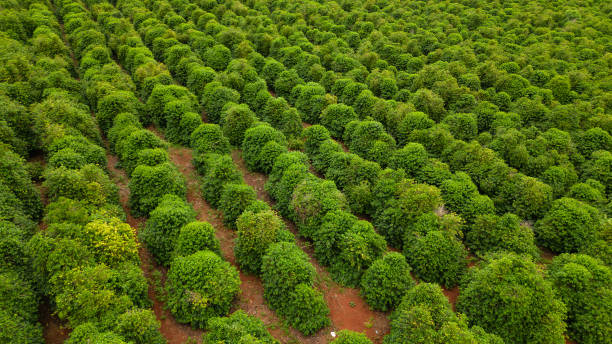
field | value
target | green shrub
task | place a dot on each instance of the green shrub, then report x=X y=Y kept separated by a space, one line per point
x=350 y=337
x=128 y=148
x=256 y=232
x=537 y=316
x=582 y=283
x=425 y=316
x=114 y=103
x=255 y=139
x=152 y=157
x=437 y=257
x=201 y=286
x=491 y=233
x=89 y=298
x=386 y=281
x=17 y=297
x=284 y=267
x=311 y=200
x=569 y=226
x=307 y=310
x=208 y=138
x=335 y=117
x=162 y=102
x=67 y=158
x=463 y=126
x=149 y=184
x=14 y=175
x=111 y=241
x=180 y=132
x=234 y=199
x=239 y=327
x=235 y=121
x=411 y=158
x=17 y=329
x=163 y=226
x=196 y=236
x=310 y=101
x=215 y=97
x=89 y=183
x=139 y=326
x=592 y=140
x=357 y=249
x=220 y=171
x=92 y=153
x=217 y=57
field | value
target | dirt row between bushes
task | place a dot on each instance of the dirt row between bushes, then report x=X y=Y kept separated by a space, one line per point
x=348 y=310
x=174 y=332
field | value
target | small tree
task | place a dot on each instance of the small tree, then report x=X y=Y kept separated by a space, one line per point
x=163 y=226
x=196 y=236
x=583 y=284
x=569 y=226
x=531 y=315
x=386 y=281
x=256 y=232
x=201 y=286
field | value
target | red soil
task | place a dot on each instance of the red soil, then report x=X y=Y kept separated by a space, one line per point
x=53 y=332
x=452 y=295
x=348 y=310
x=173 y=331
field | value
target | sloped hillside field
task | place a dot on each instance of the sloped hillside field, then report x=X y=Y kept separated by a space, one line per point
x=267 y=172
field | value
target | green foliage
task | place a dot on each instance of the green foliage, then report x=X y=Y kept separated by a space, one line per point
x=284 y=267
x=424 y=316
x=235 y=121
x=217 y=57
x=311 y=200
x=14 y=174
x=463 y=126
x=411 y=158
x=255 y=139
x=335 y=117
x=128 y=148
x=234 y=199
x=89 y=183
x=256 y=232
x=17 y=329
x=209 y=138
x=149 y=184
x=201 y=286
x=163 y=226
x=220 y=171
x=358 y=248
x=239 y=327
x=215 y=97
x=196 y=236
x=491 y=233
x=85 y=295
x=532 y=314
x=17 y=297
x=307 y=310
x=568 y=226
x=139 y=326
x=386 y=281
x=582 y=283
x=350 y=337
x=437 y=256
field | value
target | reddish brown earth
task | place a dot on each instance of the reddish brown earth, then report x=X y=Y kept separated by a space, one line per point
x=53 y=332
x=348 y=310
x=251 y=298
x=174 y=332
x=452 y=295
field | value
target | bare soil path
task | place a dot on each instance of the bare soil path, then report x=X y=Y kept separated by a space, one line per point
x=174 y=332
x=348 y=310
